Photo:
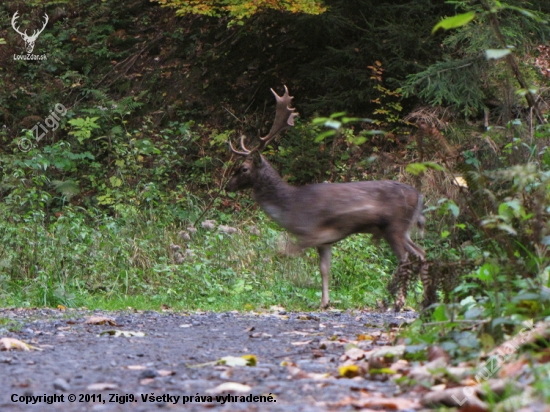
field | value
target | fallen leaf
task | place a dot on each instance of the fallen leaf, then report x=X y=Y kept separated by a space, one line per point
x=318 y=376
x=252 y=360
x=124 y=333
x=165 y=372
x=437 y=388
x=435 y=352
x=102 y=386
x=512 y=369
x=100 y=320
x=382 y=371
x=136 y=367
x=355 y=354
x=260 y=335
x=245 y=360
x=307 y=342
x=400 y=366
x=146 y=381
x=387 y=352
x=300 y=333
x=296 y=373
x=231 y=387
x=349 y=371
x=394 y=404
x=11 y=343
x=449 y=397
x=364 y=337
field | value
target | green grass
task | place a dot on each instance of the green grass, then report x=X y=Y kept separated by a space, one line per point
x=88 y=259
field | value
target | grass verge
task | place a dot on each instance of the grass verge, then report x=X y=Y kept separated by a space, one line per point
x=144 y=259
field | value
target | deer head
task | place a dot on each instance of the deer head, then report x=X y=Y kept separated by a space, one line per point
x=245 y=175
x=29 y=40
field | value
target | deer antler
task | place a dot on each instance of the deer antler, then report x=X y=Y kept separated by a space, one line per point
x=244 y=152
x=284 y=118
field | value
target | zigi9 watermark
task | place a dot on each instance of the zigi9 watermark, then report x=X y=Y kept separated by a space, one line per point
x=39 y=130
x=495 y=361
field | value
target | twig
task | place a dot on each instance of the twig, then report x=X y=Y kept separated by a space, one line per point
x=216 y=196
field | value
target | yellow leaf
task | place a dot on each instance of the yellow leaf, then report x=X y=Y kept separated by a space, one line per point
x=251 y=360
x=383 y=371
x=349 y=371
x=364 y=337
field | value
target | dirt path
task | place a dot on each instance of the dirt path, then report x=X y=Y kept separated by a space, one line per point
x=293 y=350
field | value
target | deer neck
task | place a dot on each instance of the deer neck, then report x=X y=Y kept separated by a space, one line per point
x=272 y=193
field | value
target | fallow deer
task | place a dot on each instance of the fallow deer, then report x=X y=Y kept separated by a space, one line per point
x=319 y=215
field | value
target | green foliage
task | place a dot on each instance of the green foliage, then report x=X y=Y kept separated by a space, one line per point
x=453 y=83
x=83 y=128
x=337 y=122
x=454 y=22
x=242 y=9
x=84 y=257
x=464 y=79
x=495 y=232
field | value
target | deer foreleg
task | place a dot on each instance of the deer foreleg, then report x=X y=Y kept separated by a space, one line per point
x=325 y=253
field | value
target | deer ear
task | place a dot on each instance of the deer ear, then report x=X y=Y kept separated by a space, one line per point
x=256 y=158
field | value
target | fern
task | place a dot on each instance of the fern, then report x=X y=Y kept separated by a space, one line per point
x=453 y=83
x=67 y=188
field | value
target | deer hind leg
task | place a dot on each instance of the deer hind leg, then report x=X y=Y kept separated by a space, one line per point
x=325 y=252
x=430 y=288
x=398 y=285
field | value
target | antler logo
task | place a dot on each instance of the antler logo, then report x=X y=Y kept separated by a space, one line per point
x=29 y=40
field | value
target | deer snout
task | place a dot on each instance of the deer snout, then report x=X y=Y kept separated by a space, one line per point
x=231 y=186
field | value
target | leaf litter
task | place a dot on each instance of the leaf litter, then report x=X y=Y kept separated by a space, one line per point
x=354 y=366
